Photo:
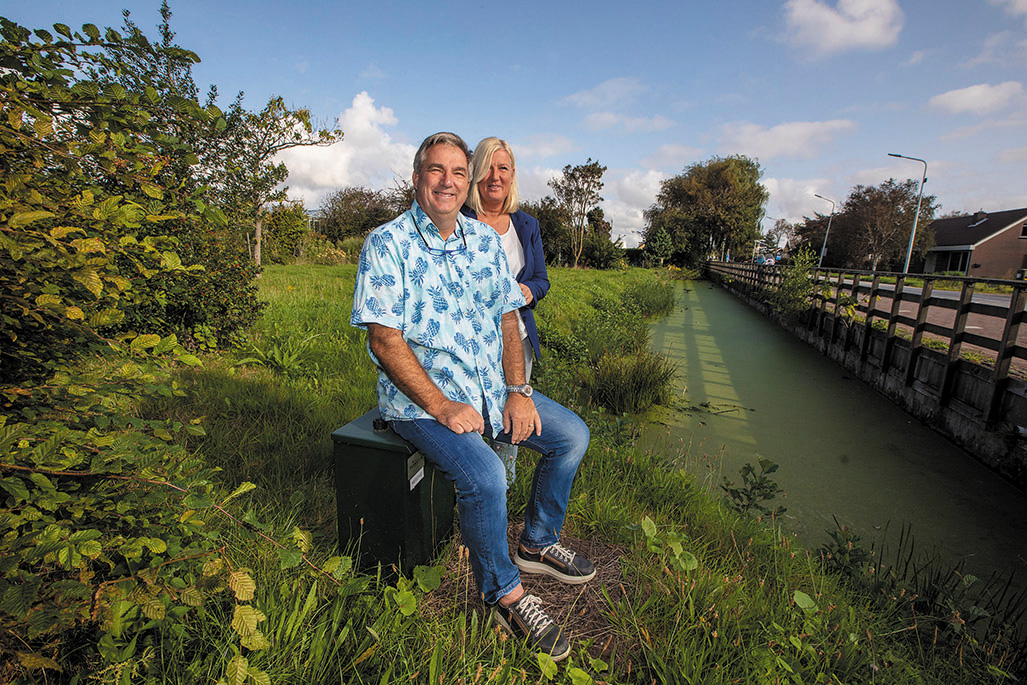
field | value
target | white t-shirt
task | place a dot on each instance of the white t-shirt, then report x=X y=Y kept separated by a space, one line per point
x=515 y=257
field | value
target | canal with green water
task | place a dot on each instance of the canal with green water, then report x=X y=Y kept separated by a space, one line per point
x=748 y=389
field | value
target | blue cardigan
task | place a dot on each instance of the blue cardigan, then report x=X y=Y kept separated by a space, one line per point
x=533 y=274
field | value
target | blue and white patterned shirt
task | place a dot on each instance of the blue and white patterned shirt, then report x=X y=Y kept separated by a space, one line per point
x=447 y=300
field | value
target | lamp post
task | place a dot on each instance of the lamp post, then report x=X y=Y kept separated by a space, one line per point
x=823 y=250
x=916 y=217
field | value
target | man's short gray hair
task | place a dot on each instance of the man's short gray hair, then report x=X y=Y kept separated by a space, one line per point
x=442 y=138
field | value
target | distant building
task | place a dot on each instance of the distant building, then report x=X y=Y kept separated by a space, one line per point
x=983 y=245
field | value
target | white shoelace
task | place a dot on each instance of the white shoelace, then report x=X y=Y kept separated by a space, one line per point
x=530 y=609
x=559 y=552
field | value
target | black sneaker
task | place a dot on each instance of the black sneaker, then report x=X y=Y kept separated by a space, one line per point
x=525 y=619
x=557 y=561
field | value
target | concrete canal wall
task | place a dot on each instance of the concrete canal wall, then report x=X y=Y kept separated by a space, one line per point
x=982 y=412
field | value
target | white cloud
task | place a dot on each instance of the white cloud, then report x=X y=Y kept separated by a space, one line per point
x=373 y=71
x=533 y=183
x=916 y=58
x=672 y=156
x=1014 y=156
x=790 y=139
x=542 y=147
x=367 y=155
x=852 y=25
x=601 y=120
x=1014 y=120
x=615 y=91
x=1017 y=8
x=628 y=194
x=980 y=99
x=792 y=199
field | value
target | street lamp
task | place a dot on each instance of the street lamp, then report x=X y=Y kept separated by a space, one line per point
x=823 y=250
x=916 y=217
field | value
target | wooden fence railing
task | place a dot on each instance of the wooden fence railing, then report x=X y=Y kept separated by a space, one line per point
x=916 y=337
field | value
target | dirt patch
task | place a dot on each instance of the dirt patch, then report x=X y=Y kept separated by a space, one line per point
x=582 y=609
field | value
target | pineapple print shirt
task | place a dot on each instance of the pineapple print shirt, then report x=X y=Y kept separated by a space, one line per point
x=447 y=298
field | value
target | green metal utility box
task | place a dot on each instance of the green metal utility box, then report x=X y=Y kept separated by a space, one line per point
x=392 y=503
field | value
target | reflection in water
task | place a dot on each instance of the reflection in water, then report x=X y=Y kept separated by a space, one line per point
x=750 y=390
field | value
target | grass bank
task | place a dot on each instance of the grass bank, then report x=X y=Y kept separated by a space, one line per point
x=690 y=590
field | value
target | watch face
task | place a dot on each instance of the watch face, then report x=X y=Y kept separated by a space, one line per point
x=527 y=390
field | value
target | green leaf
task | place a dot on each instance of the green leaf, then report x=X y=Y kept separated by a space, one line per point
x=242 y=584
x=805 y=602
x=428 y=578
x=198 y=501
x=245 y=619
x=579 y=677
x=648 y=527
x=191 y=597
x=15 y=488
x=235 y=672
x=289 y=558
x=302 y=538
x=241 y=490
x=21 y=219
x=546 y=665
x=32 y=661
x=143 y=342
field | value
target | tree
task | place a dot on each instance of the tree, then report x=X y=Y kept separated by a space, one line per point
x=578 y=192
x=713 y=207
x=880 y=219
x=89 y=203
x=552 y=222
x=244 y=173
x=782 y=233
x=354 y=212
x=286 y=227
x=659 y=246
x=102 y=545
x=873 y=226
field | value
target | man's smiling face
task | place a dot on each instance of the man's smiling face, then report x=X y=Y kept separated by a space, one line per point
x=441 y=185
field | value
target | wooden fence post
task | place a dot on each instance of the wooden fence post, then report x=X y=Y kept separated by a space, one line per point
x=918 y=331
x=956 y=342
x=1000 y=376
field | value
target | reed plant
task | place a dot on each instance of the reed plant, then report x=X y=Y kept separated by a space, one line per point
x=695 y=593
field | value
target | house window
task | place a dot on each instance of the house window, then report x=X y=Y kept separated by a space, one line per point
x=952 y=261
x=1023 y=230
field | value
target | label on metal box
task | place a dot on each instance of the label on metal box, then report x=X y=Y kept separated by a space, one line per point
x=415 y=469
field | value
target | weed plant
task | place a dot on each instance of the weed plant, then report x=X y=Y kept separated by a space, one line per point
x=703 y=594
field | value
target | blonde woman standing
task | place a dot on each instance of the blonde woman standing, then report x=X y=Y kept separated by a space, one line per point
x=492 y=198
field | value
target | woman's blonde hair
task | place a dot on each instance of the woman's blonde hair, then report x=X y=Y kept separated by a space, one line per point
x=480 y=164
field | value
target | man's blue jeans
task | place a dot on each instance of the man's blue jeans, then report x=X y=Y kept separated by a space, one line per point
x=479 y=476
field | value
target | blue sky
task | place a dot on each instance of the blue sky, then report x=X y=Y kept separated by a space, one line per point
x=818 y=91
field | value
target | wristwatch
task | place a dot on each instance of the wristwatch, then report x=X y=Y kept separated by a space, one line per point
x=525 y=389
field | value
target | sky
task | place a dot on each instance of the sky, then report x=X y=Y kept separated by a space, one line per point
x=817 y=91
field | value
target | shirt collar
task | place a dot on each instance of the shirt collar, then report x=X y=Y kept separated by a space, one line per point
x=431 y=232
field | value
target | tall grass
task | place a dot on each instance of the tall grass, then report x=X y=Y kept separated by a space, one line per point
x=702 y=594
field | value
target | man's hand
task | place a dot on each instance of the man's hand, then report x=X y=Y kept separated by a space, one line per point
x=528 y=297
x=459 y=417
x=520 y=418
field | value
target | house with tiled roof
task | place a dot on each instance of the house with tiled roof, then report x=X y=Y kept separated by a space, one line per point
x=981 y=245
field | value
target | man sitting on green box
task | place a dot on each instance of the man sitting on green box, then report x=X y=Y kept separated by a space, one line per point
x=439 y=304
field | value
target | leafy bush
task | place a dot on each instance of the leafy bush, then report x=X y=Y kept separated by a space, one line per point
x=317 y=249
x=794 y=295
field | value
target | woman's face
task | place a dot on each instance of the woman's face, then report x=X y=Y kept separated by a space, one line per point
x=495 y=187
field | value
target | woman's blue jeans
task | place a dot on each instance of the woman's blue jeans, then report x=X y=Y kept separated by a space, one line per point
x=479 y=476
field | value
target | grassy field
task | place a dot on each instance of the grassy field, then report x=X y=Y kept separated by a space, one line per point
x=689 y=590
